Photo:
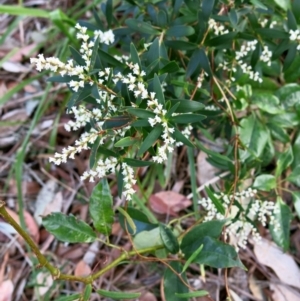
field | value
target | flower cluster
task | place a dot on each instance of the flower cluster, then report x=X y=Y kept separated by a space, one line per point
x=266 y=56
x=254 y=209
x=129 y=181
x=217 y=28
x=295 y=36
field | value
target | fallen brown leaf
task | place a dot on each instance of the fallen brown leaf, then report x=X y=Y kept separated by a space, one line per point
x=6 y=289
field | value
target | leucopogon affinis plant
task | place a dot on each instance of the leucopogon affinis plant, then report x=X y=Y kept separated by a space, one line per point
x=189 y=74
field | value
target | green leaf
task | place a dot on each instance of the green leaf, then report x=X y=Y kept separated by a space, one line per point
x=283 y=218
x=258 y=4
x=187 y=106
x=116 y=121
x=100 y=207
x=254 y=136
x=148 y=239
x=207 y=8
x=68 y=228
x=127 y=141
x=189 y=242
x=268 y=103
x=290 y=57
x=173 y=284
x=141 y=113
x=172 y=110
x=192 y=294
x=118 y=295
x=140 y=220
x=69 y=298
x=109 y=12
x=128 y=219
x=181 y=45
x=272 y=33
x=215 y=200
x=134 y=55
x=171 y=67
x=60 y=79
x=137 y=163
x=265 y=182
x=94 y=152
x=150 y=139
x=159 y=94
x=296 y=201
x=294 y=177
x=180 y=31
x=222 y=41
x=87 y=292
x=192 y=258
x=104 y=56
x=77 y=56
x=157 y=51
x=284 y=4
x=94 y=53
x=169 y=239
x=141 y=26
x=284 y=161
x=187 y=118
x=178 y=136
x=216 y=254
x=278 y=132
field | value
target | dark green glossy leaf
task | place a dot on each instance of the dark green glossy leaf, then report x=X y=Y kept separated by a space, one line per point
x=294 y=177
x=157 y=51
x=187 y=106
x=291 y=55
x=222 y=41
x=77 y=56
x=283 y=217
x=94 y=152
x=94 y=53
x=216 y=201
x=233 y=17
x=207 y=8
x=118 y=295
x=181 y=45
x=187 y=118
x=115 y=122
x=180 y=31
x=216 y=254
x=159 y=94
x=141 y=26
x=284 y=161
x=104 y=56
x=272 y=33
x=129 y=220
x=169 y=68
x=189 y=242
x=140 y=123
x=137 y=163
x=61 y=79
x=68 y=228
x=134 y=55
x=150 y=139
x=100 y=207
x=265 y=182
x=284 y=4
x=140 y=220
x=173 y=284
x=141 y=113
x=109 y=12
x=169 y=239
